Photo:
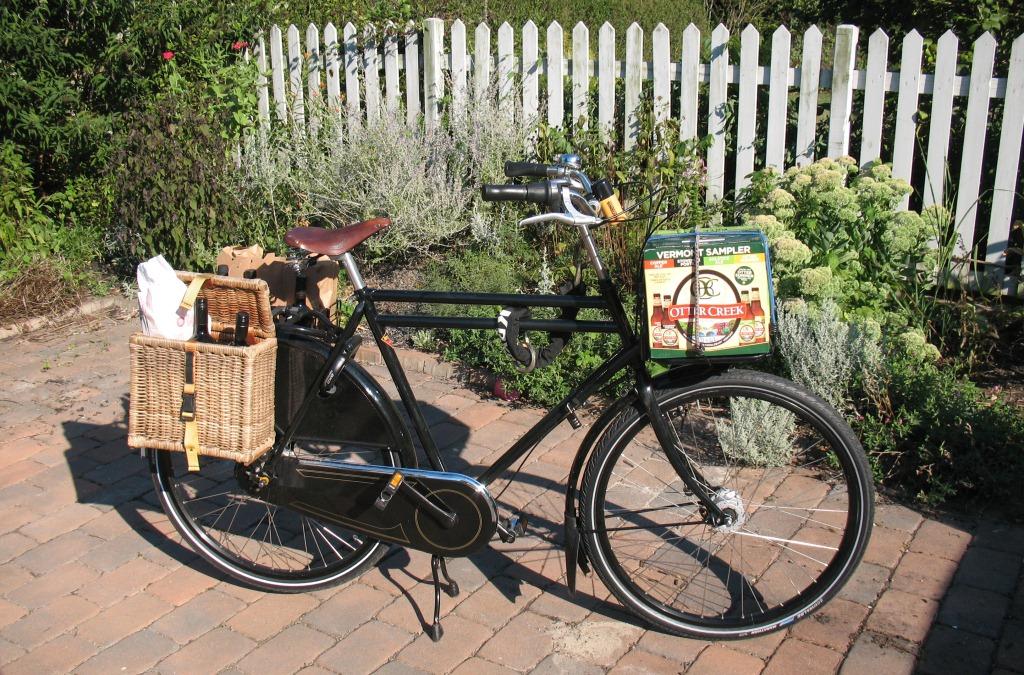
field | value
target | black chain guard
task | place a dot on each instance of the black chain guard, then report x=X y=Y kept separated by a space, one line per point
x=344 y=494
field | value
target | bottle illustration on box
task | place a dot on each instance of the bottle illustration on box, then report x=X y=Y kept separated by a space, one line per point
x=657 y=322
x=670 y=332
x=757 y=316
x=746 y=329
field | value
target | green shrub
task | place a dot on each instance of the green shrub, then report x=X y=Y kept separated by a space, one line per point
x=66 y=229
x=756 y=432
x=935 y=436
x=836 y=232
x=173 y=194
x=25 y=227
x=827 y=355
x=69 y=71
x=515 y=269
x=660 y=164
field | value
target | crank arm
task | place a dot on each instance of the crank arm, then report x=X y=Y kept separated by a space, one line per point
x=397 y=483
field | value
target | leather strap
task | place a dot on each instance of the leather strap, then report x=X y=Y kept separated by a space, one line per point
x=188 y=412
x=192 y=292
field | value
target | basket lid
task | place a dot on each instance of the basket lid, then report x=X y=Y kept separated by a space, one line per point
x=226 y=296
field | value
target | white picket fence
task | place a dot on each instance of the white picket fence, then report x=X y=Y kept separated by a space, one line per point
x=427 y=64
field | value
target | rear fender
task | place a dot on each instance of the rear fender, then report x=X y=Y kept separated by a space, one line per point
x=358 y=411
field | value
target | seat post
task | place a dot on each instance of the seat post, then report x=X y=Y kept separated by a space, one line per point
x=352 y=270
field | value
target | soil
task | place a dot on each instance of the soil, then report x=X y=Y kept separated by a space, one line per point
x=1003 y=380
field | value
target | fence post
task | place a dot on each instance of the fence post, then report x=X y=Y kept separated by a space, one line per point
x=717 y=96
x=974 y=143
x=460 y=67
x=351 y=71
x=634 y=83
x=313 y=65
x=874 y=97
x=481 y=60
x=941 y=118
x=746 y=124
x=661 y=55
x=778 y=99
x=531 y=78
x=391 y=77
x=580 y=75
x=277 y=64
x=1007 y=165
x=412 y=74
x=262 y=95
x=556 y=74
x=371 y=72
x=689 y=82
x=433 y=75
x=332 y=66
x=295 y=77
x=506 y=65
x=606 y=80
x=842 y=91
x=810 y=72
x=906 y=110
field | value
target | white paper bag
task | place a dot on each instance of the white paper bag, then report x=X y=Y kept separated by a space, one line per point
x=160 y=294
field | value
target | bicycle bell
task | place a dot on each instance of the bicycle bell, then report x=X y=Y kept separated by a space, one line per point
x=570 y=161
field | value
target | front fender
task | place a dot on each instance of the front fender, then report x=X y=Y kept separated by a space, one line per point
x=680 y=376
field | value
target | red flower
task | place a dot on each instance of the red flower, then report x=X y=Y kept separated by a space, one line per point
x=168 y=55
x=239 y=45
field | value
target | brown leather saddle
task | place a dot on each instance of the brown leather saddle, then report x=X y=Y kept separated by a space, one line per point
x=334 y=242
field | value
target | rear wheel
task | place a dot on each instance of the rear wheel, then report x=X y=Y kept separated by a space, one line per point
x=780 y=462
x=254 y=541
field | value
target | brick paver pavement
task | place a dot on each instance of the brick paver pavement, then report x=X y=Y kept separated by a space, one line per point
x=94 y=579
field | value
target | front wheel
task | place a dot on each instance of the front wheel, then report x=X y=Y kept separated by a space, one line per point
x=781 y=463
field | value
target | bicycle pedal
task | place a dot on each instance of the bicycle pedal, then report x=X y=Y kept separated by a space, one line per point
x=513 y=527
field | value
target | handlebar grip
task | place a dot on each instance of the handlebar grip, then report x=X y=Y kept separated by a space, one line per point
x=530 y=169
x=544 y=192
x=503 y=193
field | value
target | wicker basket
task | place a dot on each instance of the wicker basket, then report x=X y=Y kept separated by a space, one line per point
x=234 y=386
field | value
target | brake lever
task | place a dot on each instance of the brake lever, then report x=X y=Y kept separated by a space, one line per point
x=545 y=217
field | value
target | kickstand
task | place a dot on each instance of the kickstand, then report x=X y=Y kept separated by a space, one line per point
x=452 y=588
x=435 y=630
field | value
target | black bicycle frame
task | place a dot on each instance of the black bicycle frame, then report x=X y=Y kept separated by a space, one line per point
x=629 y=355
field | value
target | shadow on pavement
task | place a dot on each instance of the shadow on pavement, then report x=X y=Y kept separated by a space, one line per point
x=108 y=473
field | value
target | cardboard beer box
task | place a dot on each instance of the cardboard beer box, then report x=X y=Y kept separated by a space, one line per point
x=725 y=310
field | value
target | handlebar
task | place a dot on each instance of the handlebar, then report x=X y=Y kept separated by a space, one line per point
x=529 y=169
x=545 y=192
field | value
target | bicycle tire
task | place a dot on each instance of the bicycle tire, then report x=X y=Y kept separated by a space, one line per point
x=658 y=567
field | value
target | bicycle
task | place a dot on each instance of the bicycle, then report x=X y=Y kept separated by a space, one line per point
x=665 y=498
